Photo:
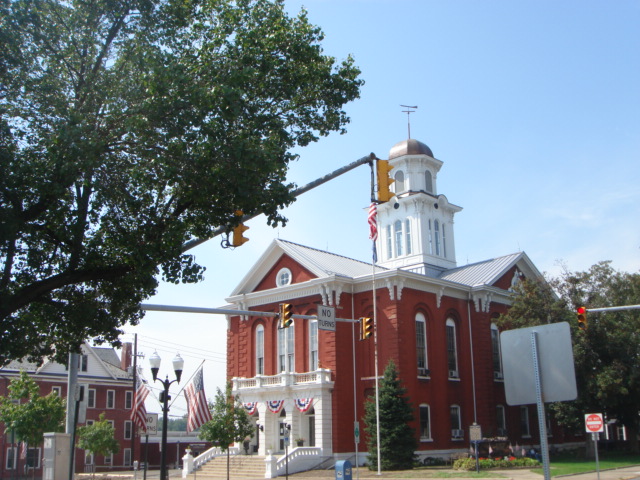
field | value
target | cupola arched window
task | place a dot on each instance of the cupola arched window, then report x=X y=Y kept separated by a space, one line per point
x=428 y=181
x=397 y=230
x=436 y=227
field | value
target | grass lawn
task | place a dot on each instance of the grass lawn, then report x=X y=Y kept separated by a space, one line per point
x=568 y=466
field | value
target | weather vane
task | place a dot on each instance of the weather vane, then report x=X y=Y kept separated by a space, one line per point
x=409 y=110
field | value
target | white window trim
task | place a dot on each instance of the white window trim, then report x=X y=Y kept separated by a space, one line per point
x=91 y=404
x=8 y=457
x=128 y=399
x=128 y=429
x=428 y=438
x=313 y=345
x=421 y=322
x=114 y=399
x=284 y=277
x=453 y=374
x=260 y=349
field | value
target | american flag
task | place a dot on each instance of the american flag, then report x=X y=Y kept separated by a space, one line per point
x=197 y=403
x=373 y=228
x=139 y=412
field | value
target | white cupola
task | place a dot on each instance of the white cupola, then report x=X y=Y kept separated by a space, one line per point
x=415 y=228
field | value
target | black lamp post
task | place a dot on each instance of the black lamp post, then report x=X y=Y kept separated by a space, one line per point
x=178 y=363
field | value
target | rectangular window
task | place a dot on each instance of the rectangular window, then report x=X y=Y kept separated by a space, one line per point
x=108 y=459
x=281 y=349
x=88 y=457
x=524 y=422
x=83 y=362
x=128 y=399
x=128 y=429
x=127 y=457
x=456 y=422
x=33 y=458
x=397 y=228
x=111 y=399
x=91 y=398
x=57 y=391
x=11 y=458
x=501 y=421
x=290 y=348
x=389 y=243
x=425 y=423
x=313 y=346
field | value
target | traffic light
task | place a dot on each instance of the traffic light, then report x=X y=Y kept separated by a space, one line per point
x=384 y=180
x=582 y=318
x=366 y=327
x=286 y=310
x=238 y=232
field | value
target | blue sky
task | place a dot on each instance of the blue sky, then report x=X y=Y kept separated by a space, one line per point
x=533 y=106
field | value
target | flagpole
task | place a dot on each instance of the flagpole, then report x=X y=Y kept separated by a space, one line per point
x=375 y=357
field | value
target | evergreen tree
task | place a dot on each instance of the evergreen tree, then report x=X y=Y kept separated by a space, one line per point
x=397 y=439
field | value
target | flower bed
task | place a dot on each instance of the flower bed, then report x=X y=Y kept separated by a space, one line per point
x=489 y=463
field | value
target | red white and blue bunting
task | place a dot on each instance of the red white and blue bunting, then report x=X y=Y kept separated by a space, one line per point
x=250 y=407
x=275 y=406
x=304 y=404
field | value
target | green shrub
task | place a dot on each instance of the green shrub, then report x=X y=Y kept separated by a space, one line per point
x=490 y=463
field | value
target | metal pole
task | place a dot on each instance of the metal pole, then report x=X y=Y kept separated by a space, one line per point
x=542 y=424
x=146 y=456
x=165 y=414
x=595 y=446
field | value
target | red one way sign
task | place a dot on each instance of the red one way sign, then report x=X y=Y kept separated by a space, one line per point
x=594 y=422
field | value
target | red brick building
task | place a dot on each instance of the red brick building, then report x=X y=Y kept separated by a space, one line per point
x=108 y=388
x=433 y=318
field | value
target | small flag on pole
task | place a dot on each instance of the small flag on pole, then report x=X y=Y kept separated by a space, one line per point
x=139 y=412
x=197 y=403
x=373 y=228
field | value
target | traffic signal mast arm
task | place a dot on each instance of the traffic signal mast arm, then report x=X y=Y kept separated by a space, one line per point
x=613 y=309
x=150 y=307
x=368 y=159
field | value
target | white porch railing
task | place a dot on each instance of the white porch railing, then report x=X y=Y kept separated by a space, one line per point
x=299 y=459
x=282 y=379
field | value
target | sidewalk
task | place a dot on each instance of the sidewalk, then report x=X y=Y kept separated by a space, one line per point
x=364 y=473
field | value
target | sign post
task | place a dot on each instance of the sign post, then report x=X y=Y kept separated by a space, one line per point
x=475 y=435
x=326 y=318
x=594 y=423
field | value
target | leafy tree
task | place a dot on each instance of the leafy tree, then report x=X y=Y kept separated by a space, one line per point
x=606 y=354
x=34 y=415
x=128 y=129
x=230 y=421
x=98 y=438
x=397 y=439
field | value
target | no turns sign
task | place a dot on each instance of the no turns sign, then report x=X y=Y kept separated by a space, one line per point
x=593 y=422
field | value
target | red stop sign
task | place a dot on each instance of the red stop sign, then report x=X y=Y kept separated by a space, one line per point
x=593 y=422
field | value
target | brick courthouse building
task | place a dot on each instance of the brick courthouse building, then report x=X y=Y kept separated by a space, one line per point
x=435 y=319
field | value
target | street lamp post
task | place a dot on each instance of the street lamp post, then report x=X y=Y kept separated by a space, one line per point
x=178 y=363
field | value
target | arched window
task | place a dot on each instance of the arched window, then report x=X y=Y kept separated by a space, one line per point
x=389 y=242
x=260 y=350
x=452 y=351
x=286 y=351
x=313 y=345
x=437 y=234
x=397 y=230
x=421 y=345
x=407 y=235
x=495 y=352
x=430 y=239
x=399 y=182
x=428 y=181
x=425 y=422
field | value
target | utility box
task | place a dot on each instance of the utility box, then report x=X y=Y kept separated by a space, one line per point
x=343 y=470
x=57 y=454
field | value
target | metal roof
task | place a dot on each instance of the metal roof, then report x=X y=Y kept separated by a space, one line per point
x=481 y=273
x=324 y=263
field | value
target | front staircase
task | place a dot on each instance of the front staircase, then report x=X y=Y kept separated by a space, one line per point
x=240 y=467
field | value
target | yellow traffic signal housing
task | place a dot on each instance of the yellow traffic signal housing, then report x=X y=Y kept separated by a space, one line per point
x=582 y=318
x=238 y=232
x=384 y=180
x=366 y=327
x=286 y=310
